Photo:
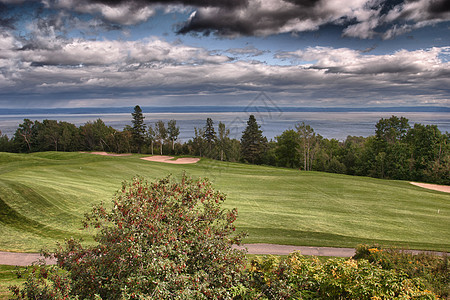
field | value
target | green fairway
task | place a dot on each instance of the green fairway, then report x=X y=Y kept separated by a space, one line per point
x=43 y=198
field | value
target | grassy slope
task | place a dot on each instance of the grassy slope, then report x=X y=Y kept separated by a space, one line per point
x=8 y=277
x=43 y=197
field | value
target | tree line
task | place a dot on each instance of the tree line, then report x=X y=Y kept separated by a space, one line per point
x=397 y=150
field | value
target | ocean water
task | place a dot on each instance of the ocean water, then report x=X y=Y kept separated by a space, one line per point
x=333 y=123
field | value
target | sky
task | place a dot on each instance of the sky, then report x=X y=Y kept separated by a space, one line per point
x=303 y=53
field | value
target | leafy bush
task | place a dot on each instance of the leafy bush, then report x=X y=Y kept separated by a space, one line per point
x=299 y=277
x=43 y=283
x=433 y=269
x=165 y=240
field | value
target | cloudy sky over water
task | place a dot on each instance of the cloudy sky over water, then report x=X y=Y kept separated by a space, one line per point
x=355 y=53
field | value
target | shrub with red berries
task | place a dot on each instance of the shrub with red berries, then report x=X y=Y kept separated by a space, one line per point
x=164 y=240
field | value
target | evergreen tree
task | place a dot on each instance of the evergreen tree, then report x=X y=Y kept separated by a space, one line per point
x=210 y=136
x=5 y=144
x=138 y=128
x=253 y=143
x=223 y=140
x=198 y=141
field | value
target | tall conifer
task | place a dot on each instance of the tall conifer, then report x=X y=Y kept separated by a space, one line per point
x=253 y=143
x=138 y=128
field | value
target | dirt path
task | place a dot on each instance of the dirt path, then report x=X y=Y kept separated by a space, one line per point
x=25 y=259
x=20 y=259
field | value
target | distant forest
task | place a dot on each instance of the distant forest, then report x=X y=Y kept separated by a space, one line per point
x=396 y=150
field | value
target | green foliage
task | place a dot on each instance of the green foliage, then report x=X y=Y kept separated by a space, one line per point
x=391 y=130
x=308 y=143
x=253 y=143
x=164 y=240
x=138 y=129
x=210 y=138
x=5 y=143
x=287 y=149
x=433 y=269
x=173 y=131
x=43 y=282
x=396 y=151
x=9 y=276
x=24 y=136
x=160 y=134
x=224 y=143
x=299 y=277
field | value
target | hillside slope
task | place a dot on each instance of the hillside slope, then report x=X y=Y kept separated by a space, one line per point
x=43 y=198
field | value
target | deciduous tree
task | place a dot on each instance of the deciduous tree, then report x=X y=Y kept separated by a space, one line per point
x=24 y=135
x=309 y=144
x=173 y=131
x=287 y=149
x=160 y=134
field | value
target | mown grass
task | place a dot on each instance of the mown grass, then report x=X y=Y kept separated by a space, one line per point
x=43 y=198
x=8 y=277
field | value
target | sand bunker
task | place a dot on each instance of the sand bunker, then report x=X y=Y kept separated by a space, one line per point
x=170 y=159
x=435 y=187
x=108 y=154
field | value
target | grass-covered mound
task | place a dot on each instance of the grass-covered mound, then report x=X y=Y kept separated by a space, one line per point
x=43 y=198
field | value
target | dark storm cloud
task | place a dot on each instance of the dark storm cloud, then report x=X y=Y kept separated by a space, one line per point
x=363 y=19
x=258 y=18
x=232 y=18
x=197 y=3
x=439 y=7
x=7 y=21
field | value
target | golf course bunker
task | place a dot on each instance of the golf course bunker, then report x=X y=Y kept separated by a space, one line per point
x=434 y=187
x=108 y=154
x=171 y=160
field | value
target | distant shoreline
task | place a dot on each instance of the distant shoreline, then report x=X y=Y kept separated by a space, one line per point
x=337 y=123
x=217 y=109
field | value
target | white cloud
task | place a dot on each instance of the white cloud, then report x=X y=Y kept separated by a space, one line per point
x=93 y=69
x=344 y=60
x=56 y=51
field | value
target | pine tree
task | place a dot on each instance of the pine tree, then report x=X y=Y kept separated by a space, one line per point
x=223 y=139
x=253 y=143
x=210 y=136
x=138 y=128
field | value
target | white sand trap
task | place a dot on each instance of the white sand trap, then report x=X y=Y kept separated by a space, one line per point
x=108 y=154
x=435 y=187
x=170 y=159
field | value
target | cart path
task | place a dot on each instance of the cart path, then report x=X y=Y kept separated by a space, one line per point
x=25 y=259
